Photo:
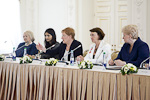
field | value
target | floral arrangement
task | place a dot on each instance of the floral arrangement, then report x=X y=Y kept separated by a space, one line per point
x=85 y=65
x=2 y=57
x=129 y=68
x=51 y=62
x=26 y=59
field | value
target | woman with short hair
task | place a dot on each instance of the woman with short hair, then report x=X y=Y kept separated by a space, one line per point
x=69 y=43
x=28 y=44
x=134 y=49
x=99 y=46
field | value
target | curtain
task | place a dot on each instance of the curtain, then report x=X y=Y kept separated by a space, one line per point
x=29 y=10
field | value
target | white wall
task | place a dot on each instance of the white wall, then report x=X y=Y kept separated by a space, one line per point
x=10 y=32
x=79 y=14
x=85 y=21
x=125 y=12
x=52 y=14
x=58 y=16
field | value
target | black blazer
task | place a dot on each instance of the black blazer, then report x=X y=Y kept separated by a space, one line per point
x=47 y=55
x=62 y=47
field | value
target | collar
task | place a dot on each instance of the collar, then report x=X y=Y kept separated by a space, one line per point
x=27 y=44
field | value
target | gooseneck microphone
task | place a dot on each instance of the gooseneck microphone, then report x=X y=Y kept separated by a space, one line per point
x=20 y=47
x=48 y=48
x=143 y=62
x=26 y=44
x=70 y=52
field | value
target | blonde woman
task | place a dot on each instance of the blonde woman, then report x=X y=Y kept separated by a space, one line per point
x=134 y=49
x=28 y=44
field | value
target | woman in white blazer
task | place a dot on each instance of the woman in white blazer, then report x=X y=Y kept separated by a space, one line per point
x=99 y=46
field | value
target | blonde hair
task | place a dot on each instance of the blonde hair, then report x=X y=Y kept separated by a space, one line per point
x=30 y=34
x=69 y=31
x=131 y=29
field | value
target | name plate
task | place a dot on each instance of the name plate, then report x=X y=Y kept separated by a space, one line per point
x=144 y=72
x=36 y=61
x=8 y=59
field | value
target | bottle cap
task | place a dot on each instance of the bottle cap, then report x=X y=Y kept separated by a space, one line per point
x=104 y=53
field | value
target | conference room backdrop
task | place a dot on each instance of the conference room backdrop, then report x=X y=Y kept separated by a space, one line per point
x=82 y=15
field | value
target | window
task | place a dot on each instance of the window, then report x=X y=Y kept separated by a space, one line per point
x=10 y=30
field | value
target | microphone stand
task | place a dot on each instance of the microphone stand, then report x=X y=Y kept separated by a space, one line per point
x=26 y=44
x=48 y=48
x=141 y=65
x=38 y=55
x=20 y=47
x=70 y=52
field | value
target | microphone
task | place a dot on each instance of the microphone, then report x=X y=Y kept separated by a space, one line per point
x=144 y=61
x=20 y=47
x=26 y=44
x=48 y=48
x=70 y=52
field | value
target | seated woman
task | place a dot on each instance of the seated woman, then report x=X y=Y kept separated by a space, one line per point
x=50 y=44
x=28 y=44
x=134 y=49
x=68 y=44
x=99 y=46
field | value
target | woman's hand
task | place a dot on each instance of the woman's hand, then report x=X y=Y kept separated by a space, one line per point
x=80 y=58
x=40 y=47
x=111 y=62
x=32 y=56
x=119 y=62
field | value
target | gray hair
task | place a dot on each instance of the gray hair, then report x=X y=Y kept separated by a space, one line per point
x=30 y=33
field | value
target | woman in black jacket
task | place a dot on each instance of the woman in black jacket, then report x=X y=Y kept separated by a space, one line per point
x=50 y=44
x=68 y=44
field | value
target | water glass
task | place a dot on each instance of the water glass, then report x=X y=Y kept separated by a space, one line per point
x=146 y=65
x=78 y=60
x=37 y=56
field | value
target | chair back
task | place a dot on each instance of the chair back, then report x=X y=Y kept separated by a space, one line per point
x=85 y=53
x=114 y=55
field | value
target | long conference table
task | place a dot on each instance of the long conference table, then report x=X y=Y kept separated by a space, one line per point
x=36 y=81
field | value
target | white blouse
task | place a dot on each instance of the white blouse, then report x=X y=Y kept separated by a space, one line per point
x=103 y=47
x=66 y=55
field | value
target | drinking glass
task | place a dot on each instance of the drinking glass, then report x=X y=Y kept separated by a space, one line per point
x=37 y=56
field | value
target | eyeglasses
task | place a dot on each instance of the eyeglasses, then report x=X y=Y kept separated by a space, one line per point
x=92 y=35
